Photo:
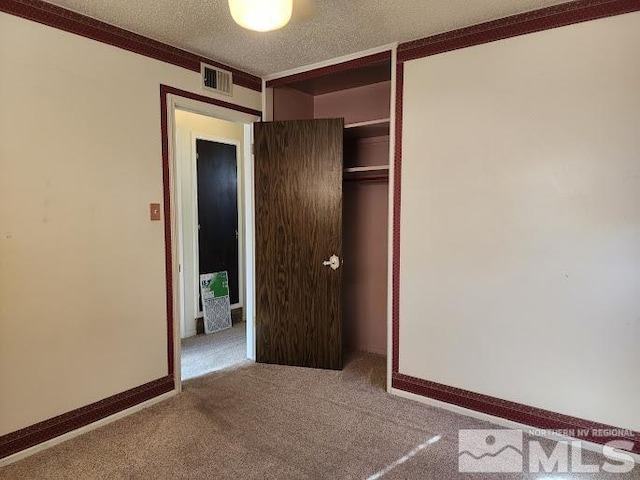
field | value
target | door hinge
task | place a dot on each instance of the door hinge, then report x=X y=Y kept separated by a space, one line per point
x=253 y=149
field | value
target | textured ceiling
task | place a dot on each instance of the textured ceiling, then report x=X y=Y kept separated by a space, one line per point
x=320 y=29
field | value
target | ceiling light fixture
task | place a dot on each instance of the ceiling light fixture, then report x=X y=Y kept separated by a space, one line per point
x=261 y=15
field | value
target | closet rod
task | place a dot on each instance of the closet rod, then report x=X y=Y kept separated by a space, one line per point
x=377 y=178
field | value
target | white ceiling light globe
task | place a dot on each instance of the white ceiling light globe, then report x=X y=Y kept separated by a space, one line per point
x=261 y=15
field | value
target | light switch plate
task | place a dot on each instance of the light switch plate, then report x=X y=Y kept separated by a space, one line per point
x=154 y=211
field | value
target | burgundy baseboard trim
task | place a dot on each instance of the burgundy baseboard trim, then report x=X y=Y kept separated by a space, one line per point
x=165 y=90
x=41 y=432
x=516 y=412
x=72 y=22
x=522 y=24
x=338 y=67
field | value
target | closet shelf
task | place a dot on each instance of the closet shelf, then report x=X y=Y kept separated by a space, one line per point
x=372 y=168
x=375 y=173
x=372 y=128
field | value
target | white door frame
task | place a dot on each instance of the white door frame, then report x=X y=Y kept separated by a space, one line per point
x=177 y=252
x=240 y=202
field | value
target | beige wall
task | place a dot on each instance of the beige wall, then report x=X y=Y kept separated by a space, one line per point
x=82 y=281
x=189 y=126
x=520 y=243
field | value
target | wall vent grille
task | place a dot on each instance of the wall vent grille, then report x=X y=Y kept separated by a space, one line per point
x=216 y=80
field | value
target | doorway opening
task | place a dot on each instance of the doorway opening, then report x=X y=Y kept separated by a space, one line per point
x=210 y=149
x=209 y=154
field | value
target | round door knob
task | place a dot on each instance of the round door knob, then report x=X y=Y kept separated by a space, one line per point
x=333 y=262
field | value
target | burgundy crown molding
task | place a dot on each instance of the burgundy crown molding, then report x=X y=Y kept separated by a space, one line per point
x=536 y=417
x=522 y=24
x=67 y=422
x=338 y=67
x=72 y=22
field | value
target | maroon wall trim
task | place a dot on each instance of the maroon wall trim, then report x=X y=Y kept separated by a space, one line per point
x=168 y=249
x=516 y=412
x=338 y=67
x=212 y=101
x=63 y=19
x=535 y=21
x=67 y=422
x=544 y=19
x=164 y=91
x=397 y=200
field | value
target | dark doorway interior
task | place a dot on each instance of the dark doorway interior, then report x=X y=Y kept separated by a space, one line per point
x=217 y=169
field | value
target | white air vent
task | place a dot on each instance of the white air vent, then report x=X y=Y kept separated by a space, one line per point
x=216 y=80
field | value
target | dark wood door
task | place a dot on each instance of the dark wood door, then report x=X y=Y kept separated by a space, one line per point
x=218 y=211
x=298 y=205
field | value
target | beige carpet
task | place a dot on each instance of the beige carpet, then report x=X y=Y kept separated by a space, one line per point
x=202 y=354
x=269 y=422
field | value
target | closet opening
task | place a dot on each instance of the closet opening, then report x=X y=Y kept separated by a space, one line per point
x=360 y=93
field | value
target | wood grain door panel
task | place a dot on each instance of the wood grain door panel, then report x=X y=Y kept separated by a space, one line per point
x=298 y=205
